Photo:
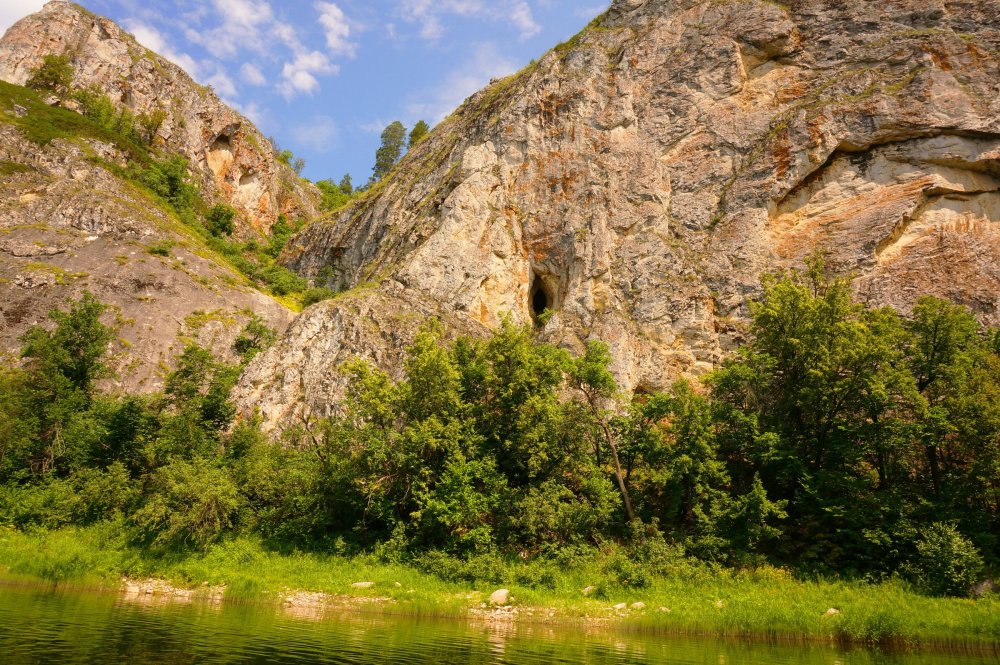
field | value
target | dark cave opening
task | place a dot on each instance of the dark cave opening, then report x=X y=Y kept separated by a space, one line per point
x=539 y=297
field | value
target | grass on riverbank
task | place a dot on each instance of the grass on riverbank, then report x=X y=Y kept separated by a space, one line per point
x=767 y=603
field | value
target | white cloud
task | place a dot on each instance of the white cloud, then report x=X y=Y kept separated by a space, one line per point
x=252 y=74
x=337 y=28
x=428 y=14
x=520 y=16
x=244 y=24
x=374 y=127
x=151 y=38
x=254 y=112
x=286 y=35
x=591 y=12
x=221 y=82
x=299 y=76
x=486 y=63
x=12 y=11
x=241 y=26
x=320 y=134
x=245 y=14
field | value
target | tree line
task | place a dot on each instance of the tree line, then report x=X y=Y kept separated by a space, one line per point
x=839 y=440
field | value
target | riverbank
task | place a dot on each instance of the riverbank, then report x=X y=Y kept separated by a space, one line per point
x=766 y=603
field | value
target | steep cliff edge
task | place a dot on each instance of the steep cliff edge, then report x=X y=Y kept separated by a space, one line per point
x=638 y=179
x=234 y=161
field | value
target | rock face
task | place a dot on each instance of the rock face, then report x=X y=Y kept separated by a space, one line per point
x=638 y=179
x=233 y=159
x=68 y=225
x=69 y=222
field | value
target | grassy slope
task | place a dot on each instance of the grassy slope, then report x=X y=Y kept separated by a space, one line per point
x=768 y=603
x=41 y=124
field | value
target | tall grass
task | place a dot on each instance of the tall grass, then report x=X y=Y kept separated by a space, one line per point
x=764 y=604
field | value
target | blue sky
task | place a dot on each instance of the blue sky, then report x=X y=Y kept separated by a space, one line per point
x=324 y=77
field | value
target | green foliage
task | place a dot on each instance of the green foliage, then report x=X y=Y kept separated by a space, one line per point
x=288 y=158
x=188 y=504
x=847 y=415
x=255 y=337
x=281 y=233
x=258 y=263
x=335 y=195
x=391 y=149
x=946 y=562
x=281 y=280
x=345 y=185
x=139 y=129
x=160 y=248
x=219 y=220
x=71 y=357
x=417 y=134
x=43 y=123
x=317 y=294
x=840 y=439
x=55 y=74
x=168 y=179
x=474 y=449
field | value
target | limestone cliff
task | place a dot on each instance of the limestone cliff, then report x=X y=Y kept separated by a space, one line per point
x=639 y=178
x=69 y=223
x=235 y=162
x=72 y=220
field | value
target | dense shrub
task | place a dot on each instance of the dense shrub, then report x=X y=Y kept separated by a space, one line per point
x=168 y=179
x=255 y=337
x=98 y=107
x=282 y=281
x=55 y=74
x=946 y=562
x=219 y=220
x=188 y=504
x=317 y=294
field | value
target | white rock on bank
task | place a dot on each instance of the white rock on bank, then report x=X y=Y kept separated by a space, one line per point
x=500 y=597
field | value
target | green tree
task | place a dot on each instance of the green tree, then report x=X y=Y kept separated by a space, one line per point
x=334 y=196
x=20 y=423
x=219 y=220
x=345 y=185
x=817 y=401
x=945 y=350
x=281 y=233
x=594 y=380
x=419 y=131
x=62 y=367
x=255 y=337
x=197 y=393
x=946 y=562
x=169 y=179
x=55 y=74
x=189 y=504
x=389 y=152
x=72 y=355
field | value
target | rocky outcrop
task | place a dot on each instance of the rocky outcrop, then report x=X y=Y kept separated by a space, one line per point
x=638 y=179
x=68 y=224
x=233 y=160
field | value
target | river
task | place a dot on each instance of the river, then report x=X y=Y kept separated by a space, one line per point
x=41 y=626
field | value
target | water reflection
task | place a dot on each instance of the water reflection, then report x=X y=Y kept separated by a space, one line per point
x=43 y=627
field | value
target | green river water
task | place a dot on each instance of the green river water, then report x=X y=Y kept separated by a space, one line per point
x=41 y=626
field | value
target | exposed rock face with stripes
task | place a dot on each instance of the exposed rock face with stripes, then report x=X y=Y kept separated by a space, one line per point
x=637 y=180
